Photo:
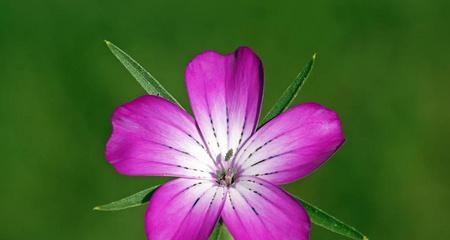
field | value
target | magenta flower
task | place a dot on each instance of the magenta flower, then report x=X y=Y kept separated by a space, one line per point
x=225 y=167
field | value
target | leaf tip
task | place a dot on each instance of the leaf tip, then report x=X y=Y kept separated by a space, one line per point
x=108 y=43
x=97 y=208
x=314 y=56
x=365 y=238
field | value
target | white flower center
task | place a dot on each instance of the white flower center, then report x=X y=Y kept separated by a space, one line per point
x=226 y=177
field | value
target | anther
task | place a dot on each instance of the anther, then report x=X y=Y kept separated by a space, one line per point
x=229 y=155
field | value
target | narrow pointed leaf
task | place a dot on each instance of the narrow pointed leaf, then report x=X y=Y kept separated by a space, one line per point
x=147 y=81
x=220 y=232
x=325 y=220
x=135 y=200
x=290 y=93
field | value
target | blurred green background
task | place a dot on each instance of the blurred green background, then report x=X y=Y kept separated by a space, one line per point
x=382 y=65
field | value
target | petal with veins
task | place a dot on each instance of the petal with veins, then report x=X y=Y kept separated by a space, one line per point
x=256 y=209
x=184 y=209
x=225 y=94
x=152 y=136
x=292 y=145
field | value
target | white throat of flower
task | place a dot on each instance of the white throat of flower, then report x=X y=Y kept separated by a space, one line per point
x=226 y=175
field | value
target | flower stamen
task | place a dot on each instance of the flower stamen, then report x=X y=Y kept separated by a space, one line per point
x=229 y=155
x=226 y=177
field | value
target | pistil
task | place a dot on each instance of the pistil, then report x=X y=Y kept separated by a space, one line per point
x=226 y=177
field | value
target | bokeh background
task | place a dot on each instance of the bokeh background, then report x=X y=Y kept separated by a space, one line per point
x=382 y=65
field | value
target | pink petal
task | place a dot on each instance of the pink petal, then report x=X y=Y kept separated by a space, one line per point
x=292 y=145
x=184 y=209
x=152 y=136
x=256 y=209
x=225 y=94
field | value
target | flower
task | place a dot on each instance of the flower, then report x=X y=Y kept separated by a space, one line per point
x=226 y=168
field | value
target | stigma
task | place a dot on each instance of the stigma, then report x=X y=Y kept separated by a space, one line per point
x=226 y=177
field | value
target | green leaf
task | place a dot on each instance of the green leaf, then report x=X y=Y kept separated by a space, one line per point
x=290 y=93
x=325 y=220
x=147 y=81
x=135 y=200
x=220 y=232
